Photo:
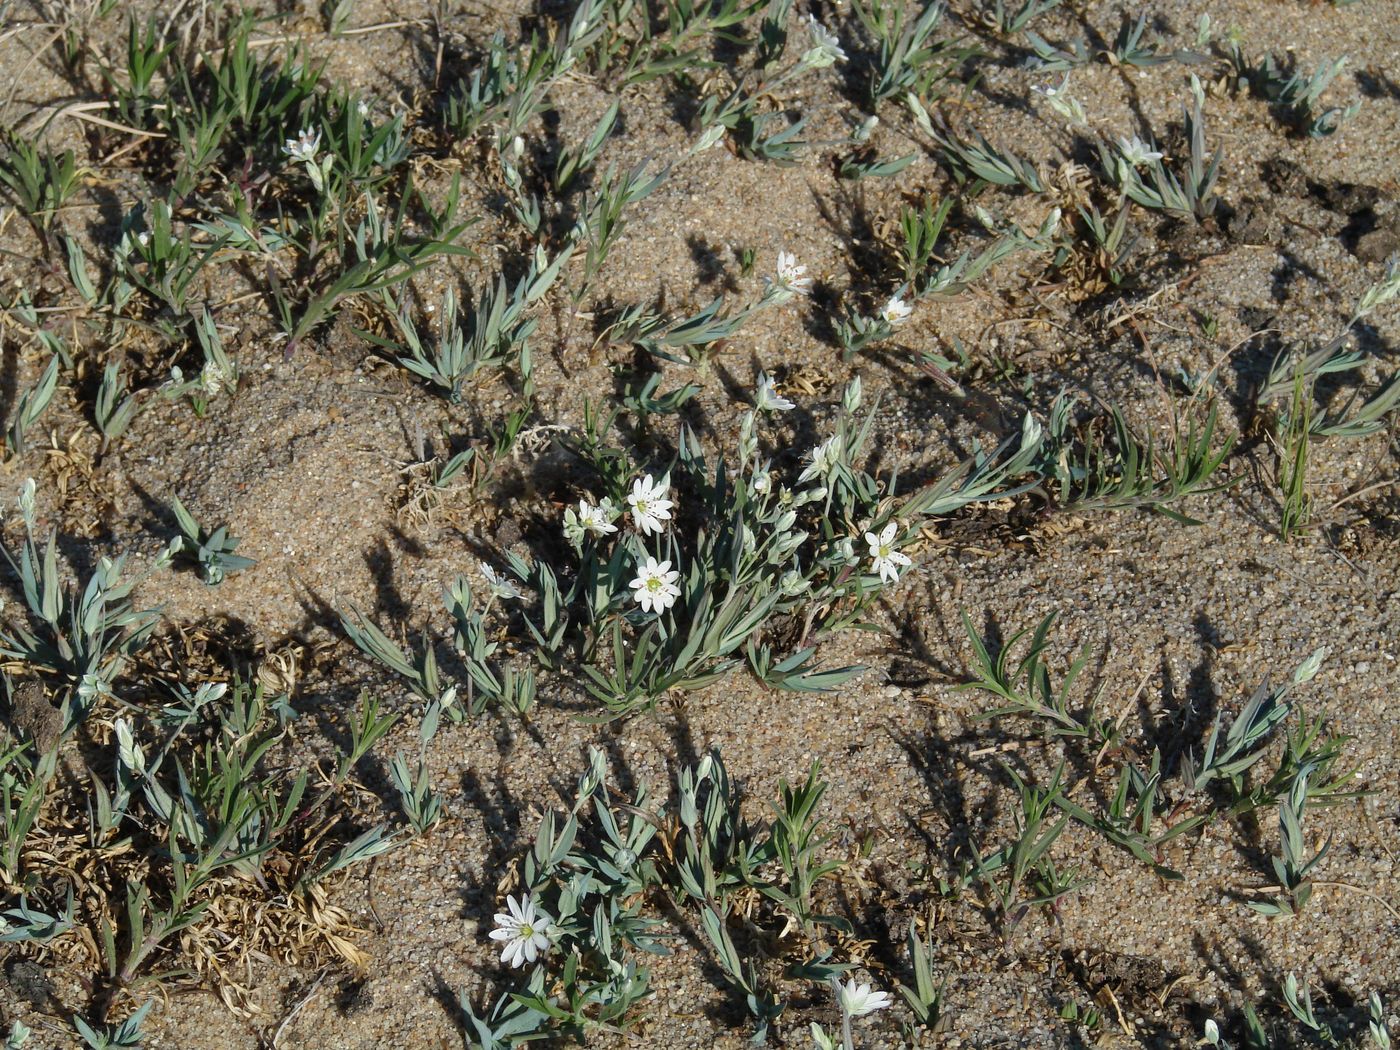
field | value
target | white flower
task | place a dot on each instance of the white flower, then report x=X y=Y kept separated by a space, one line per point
x=762 y=483
x=884 y=558
x=144 y=238
x=896 y=310
x=597 y=520
x=1136 y=152
x=822 y=457
x=766 y=399
x=655 y=585
x=790 y=274
x=304 y=146
x=524 y=931
x=363 y=108
x=828 y=49
x=649 y=506
x=857 y=1000
x=212 y=378
x=498 y=585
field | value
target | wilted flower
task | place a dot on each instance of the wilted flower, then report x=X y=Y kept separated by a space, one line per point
x=655 y=585
x=766 y=399
x=790 y=274
x=594 y=520
x=822 y=457
x=524 y=931
x=498 y=585
x=857 y=1000
x=885 y=560
x=649 y=506
x=896 y=310
x=828 y=48
x=304 y=146
x=1136 y=152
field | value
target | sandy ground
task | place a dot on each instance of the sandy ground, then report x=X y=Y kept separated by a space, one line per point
x=304 y=463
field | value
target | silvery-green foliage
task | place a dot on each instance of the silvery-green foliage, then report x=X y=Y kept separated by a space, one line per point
x=114 y=407
x=1381 y=292
x=1357 y=417
x=572 y=163
x=30 y=407
x=41 y=180
x=21 y=923
x=1297 y=96
x=1293 y=864
x=1189 y=195
x=217 y=375
x=590 y=876
x=500 y=329
x=1050 y=58
x=604 y=212
x=1129 y=49
x=85 y=638
x=211 y=551
x=511 y=85
x=366 y=154
x=1091 y=473
x=925 y=998
x=763 y=549
x=1228 y=759
x=763 y=1004
x=1008 y=20
x=909 y=60
x=972 y=156
x=160 y=256
x=124 y=1036
x=420 y=804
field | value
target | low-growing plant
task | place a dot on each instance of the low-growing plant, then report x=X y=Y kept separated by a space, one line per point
x=1129 y=49
x=1296 y=96
x=30 y=408
x=1026 y=689
x=212 y=552
x=114 y=407
x=1085 y=472
x=1293 y=864
x=41 y=181
x=1191 y=194
x=1009 y=20
x=82 y=636
x=909 y=58
x=1050 y=58
x=500 y=331
x=971 y=156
